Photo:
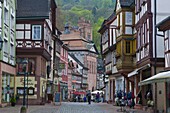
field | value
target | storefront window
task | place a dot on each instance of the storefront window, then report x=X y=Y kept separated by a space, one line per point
x=30 y=90
x=7 y=87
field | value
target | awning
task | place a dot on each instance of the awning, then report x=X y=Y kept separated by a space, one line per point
x=135 y=72
x=160 y=77
x=79 y=93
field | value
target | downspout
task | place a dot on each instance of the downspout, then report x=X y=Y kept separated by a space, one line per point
x=155 y=29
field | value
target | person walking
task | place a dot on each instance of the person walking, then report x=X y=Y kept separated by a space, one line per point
x=97 y=97
x=89 y=97
x=102 y=97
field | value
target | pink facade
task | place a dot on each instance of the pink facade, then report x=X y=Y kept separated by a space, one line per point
x=64 y=60
x=63 y=73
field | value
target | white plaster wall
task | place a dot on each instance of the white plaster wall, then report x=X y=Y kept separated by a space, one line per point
x=119 y=82
x=162 y=12
x=107 y=92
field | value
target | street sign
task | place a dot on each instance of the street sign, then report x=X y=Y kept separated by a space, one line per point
x=61 y=66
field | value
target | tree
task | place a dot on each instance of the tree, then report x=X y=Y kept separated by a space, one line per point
x=96 y=35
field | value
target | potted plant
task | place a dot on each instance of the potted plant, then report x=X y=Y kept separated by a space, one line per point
x=13 y=101
x=23 y=109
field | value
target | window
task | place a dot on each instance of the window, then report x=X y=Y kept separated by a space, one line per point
x=128 y=30
x=30 y=67
x=6 y=16
x=12 y=51
x=5 y=46
x=30 y=91
x=88 y=36
x=128 y=18
x=12 y=22
x=20 y=90
x=36 y=32
x=127 y=46
x=114 y=58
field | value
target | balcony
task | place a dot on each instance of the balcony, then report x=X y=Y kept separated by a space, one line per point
x=32 y=47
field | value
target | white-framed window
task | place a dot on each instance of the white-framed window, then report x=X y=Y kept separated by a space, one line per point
x=128 y=30
x=6 y=17
x=128 y=17
x=36 y=32
x=114 y=58
x=12 y=50
x=6 y=46
x=12 y=22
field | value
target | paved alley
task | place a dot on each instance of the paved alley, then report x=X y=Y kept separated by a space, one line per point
x=70 y=107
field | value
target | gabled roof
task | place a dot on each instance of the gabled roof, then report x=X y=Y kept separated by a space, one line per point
x=103 y=26
x=33 y=8
x=107 y=22
x=72 y=55
x=92 y=47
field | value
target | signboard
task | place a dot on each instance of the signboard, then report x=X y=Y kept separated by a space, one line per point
x=57 y=98
x=20 y=81
x=61 y=66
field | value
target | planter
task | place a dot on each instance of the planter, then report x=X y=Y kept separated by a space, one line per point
x=13 y=103
x=23 y=109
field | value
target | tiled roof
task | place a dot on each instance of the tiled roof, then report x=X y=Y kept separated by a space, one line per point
x=127 y=3
x=33 y=8
x=164 y=24
x=111 y=16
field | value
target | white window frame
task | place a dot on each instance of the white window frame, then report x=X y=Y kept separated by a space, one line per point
x=6 y=16
x=37 y=38
x=128 y=18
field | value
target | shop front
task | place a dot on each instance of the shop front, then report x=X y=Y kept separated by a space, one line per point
x=64 y=91
x=7 y=83
x=7 y=87
x=31 y=90
x=50 y=91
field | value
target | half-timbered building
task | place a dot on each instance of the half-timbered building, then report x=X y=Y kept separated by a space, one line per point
x=165 y=27
x=149 y=48
x=108 y=50
x=35 y=29
x=125 y=41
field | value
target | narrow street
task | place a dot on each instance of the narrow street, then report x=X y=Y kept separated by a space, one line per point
x=70 y=107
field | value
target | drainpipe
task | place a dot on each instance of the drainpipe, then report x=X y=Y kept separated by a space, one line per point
x=155 y=29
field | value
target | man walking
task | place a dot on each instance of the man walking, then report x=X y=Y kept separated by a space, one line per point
x=89 y=97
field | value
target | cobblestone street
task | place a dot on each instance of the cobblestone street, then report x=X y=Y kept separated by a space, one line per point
x=69 y=107
x=81 y=108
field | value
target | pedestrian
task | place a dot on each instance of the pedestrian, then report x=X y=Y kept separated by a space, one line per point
x=78 y=98
x=89 y=97
x=84 y=99
x=97 y=97
x=102 y=97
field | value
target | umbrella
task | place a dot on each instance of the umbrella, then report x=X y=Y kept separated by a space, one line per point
x=95 y=92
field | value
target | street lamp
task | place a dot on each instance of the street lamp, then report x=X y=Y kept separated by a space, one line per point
x=24 y=62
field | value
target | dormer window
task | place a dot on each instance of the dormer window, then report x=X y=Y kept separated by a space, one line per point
x=36 y=32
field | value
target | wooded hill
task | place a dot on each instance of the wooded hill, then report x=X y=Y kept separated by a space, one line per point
x=94 y=10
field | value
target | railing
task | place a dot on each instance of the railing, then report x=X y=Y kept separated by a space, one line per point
x=29 y=43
